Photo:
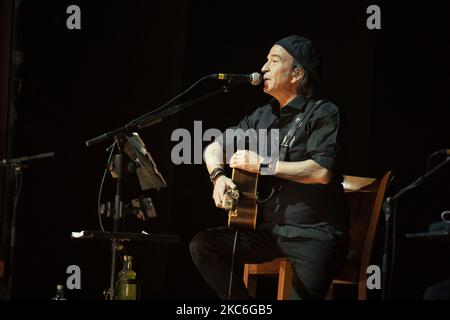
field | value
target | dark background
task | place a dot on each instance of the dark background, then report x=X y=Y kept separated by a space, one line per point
x=132 y=56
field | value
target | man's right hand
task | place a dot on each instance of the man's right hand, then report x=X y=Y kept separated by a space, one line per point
x=221 y=185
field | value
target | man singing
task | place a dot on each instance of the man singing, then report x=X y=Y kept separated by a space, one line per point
x=307 y=218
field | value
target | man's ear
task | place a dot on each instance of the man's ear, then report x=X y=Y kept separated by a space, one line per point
x=298 y=73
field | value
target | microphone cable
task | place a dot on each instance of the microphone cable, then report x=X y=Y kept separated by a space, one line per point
x=111 y=147
x=167 y=104
x=444 y=151
x=232 y=264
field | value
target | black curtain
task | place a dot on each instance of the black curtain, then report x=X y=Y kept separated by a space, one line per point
x=132 y=56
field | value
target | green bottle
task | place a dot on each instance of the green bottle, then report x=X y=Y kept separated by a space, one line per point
x=127 y=281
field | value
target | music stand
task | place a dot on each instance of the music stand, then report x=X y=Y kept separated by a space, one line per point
x=147 y=172
x=149 y=177
x=126 y=236
x=123 y=138
x=389 y=208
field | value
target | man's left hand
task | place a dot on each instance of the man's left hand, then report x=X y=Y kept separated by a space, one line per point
x=246 y=160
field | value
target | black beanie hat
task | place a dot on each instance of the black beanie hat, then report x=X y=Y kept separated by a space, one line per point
x=303 y=52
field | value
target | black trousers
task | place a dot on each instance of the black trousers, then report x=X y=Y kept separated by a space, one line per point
x=314 y=261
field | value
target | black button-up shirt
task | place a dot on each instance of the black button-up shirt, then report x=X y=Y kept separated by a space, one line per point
x=299 y=209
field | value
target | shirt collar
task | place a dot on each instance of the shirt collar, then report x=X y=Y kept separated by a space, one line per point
x=299 y=103
x=294 y=106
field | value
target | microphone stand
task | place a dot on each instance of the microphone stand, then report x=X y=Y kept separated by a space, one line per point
x=18 y=165
x=119 y=135
x=390 y=210
x=118 y=206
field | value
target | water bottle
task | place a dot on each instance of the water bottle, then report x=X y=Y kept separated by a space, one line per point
x=126 y=289
x=59 y=293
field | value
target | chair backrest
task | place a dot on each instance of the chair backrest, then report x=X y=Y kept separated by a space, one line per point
x=365 y=197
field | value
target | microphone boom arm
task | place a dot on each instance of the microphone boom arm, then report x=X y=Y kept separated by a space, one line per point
x=152 y=119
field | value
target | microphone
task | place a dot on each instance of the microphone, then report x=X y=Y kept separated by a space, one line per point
x=27 y=158
x=254 y=79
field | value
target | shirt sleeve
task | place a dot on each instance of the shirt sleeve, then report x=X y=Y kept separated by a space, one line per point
x=322 y=145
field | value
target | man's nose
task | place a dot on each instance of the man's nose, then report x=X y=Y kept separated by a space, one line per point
x=264 y=68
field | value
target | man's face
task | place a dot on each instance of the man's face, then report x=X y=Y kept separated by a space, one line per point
x=278 y=73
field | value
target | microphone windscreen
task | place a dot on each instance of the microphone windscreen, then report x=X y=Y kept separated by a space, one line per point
x=256 y=78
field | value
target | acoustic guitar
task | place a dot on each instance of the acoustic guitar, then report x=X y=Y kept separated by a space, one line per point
x=242 y=201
